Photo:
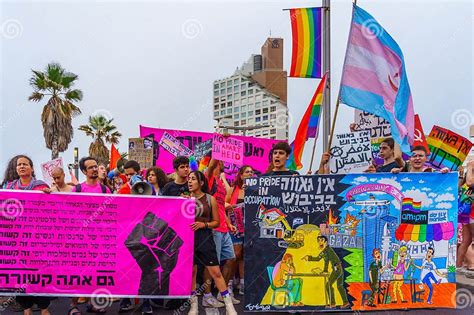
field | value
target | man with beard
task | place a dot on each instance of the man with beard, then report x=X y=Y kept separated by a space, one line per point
x=90 y=169
x=280 y=154
x=337 y=274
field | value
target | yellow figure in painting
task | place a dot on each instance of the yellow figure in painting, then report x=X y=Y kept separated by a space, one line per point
x=312 y=285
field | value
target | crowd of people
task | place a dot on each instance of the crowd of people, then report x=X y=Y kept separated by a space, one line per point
x=218 y=248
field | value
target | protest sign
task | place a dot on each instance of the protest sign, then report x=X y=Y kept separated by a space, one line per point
x=351 y=153
x=448 y=149
x=342 y=237
x=256 y=150
x=48 y=167
x=378 y=127
x=141 y=150
x=83 y=244
x=228 y=149
x=174 y=146
x=202 y=149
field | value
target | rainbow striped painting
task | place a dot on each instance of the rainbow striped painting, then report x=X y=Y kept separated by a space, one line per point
x=448 y=149
x=306 y=52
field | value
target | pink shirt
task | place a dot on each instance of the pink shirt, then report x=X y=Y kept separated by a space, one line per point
x=85 y=188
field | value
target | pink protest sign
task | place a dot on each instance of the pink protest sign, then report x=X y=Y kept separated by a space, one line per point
x=256 y=150
x=228 y=149
x=89 y=244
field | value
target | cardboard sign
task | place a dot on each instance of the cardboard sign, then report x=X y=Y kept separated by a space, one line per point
x=351 y=153
x=141 y=150
x=202 y=149
x=228 y=149
x=378 y=127
x=47 y=168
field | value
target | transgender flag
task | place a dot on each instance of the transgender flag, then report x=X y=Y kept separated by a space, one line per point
x=374 y=77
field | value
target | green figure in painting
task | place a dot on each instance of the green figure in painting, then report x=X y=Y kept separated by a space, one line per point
x=337 y=274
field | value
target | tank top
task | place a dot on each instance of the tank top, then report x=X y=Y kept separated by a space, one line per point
x=204 y=209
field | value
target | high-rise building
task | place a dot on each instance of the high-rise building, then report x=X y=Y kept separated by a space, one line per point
x=253 y=99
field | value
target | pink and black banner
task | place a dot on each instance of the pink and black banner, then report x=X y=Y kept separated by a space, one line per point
x=256 y=151
x=89 y=244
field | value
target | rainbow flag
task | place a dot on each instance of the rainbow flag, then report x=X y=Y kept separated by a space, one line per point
x=308 y=127
x=409 y=205
x=306 y=51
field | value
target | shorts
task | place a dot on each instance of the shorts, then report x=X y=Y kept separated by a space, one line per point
x=224 y=246
x=28 y=301
x=205 y=248
x=237 y=240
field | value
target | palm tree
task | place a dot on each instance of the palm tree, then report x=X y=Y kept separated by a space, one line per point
x=102 y=131
x=58 y=112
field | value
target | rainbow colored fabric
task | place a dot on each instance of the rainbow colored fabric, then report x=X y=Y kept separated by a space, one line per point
x=308 y=127
x=306 y=51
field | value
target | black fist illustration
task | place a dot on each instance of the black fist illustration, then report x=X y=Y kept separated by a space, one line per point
x=155 y=246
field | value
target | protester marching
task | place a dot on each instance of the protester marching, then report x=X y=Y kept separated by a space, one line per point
x=188 y=220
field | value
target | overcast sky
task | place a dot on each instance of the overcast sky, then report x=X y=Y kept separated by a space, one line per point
x=154 y=62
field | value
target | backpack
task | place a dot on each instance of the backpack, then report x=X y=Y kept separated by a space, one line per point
x=103 y=187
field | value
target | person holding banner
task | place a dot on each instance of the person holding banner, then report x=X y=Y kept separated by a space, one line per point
x=10 y=172
x=207 y=218
x=280 y=154
x=59 y=185
x=179 y=186
x=90 y=168
x=387 y=153
x=27 y=181
x=234 y=203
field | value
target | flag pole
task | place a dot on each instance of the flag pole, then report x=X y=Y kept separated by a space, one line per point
x=339 y=93
x=316 y=136
x=326 y=68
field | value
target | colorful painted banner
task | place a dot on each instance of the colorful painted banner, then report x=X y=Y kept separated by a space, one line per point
x=351 y=153
x=86 y=244
x=48 y=167
x=228 y=149
x=306 y=35
x=174 y=146
x=335 y=242
x=141 y=150
x=378 y=127
x=448 y=149
x=256 y=150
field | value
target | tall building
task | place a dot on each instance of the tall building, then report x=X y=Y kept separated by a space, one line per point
x=253 y=99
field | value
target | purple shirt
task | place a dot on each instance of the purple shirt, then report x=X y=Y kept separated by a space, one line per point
x=400 y=270
x=95 y=189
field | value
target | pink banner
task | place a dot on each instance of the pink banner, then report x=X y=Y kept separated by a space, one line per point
x=256 y=150
x=89 y=244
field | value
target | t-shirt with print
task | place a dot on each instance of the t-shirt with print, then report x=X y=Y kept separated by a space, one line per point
x=220 y=195
x=93 y=189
